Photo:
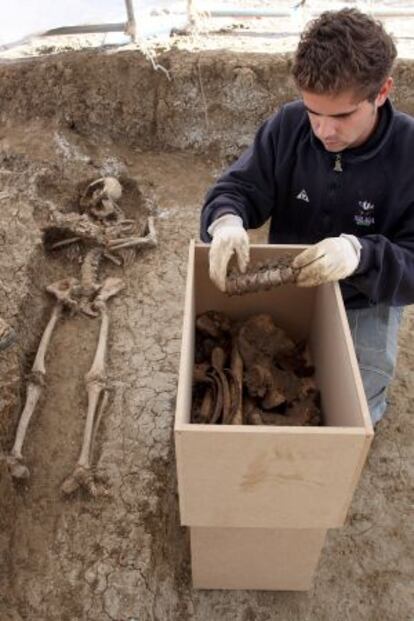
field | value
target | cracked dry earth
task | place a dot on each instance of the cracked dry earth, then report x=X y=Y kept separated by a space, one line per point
x=124 y=556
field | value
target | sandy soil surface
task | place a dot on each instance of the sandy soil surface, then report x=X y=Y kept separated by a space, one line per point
x=124 y=556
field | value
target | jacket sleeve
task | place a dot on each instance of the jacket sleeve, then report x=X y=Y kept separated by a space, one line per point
x=386 y=270
x=248 y=187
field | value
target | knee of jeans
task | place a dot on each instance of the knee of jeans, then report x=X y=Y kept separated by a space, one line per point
x=380 y=361
x=375 y=335
x=377 y=410
x=375 y=385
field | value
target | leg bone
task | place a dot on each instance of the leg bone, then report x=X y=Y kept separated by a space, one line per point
x=62 y=290
x=96 y=382
x=17 y=468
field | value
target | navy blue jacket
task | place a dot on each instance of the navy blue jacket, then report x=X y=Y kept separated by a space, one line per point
x=310 y=193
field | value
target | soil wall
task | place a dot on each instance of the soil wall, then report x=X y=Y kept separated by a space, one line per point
x=209 y=101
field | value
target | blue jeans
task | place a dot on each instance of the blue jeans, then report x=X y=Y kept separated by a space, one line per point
x=375 y=334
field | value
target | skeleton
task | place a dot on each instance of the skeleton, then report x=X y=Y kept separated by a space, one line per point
x=106 y=233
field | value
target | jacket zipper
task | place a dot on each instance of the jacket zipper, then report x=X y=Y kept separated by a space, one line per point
x=338 y=163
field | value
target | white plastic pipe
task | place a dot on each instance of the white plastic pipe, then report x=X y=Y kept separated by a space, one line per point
x=131 y=27
x=379 y=12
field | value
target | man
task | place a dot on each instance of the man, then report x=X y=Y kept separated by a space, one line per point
x=333 y=170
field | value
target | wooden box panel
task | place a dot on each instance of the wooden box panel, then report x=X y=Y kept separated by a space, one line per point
x=274 y=477
x=253 y=558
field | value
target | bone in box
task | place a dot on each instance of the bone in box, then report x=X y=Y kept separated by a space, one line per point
x=283 y=478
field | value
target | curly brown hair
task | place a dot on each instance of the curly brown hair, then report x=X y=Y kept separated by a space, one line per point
x=341 y=51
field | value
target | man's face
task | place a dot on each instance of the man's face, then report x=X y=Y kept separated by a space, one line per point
x=340 y=121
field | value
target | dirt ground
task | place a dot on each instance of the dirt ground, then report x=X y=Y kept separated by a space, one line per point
x=124 y=556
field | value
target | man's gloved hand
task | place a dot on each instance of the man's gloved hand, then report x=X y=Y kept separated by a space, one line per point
x=229 y=236
x=331 y=259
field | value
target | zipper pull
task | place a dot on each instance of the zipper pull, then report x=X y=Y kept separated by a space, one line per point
x=338 y=163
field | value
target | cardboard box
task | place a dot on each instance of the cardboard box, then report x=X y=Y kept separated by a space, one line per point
x=245 y=490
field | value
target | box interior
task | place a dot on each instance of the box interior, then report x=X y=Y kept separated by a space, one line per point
x=316 y=314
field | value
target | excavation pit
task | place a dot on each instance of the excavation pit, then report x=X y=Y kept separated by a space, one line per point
x=70 y=118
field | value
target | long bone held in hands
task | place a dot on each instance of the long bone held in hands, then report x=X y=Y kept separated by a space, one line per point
x=261 y=277
x=264 y=276
x=62 y=290
x=82 y=476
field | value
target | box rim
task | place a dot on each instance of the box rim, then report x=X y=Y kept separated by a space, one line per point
x=271 y=429
x=366 y=429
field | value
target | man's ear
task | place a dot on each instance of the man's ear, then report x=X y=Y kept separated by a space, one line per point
x=384 y=91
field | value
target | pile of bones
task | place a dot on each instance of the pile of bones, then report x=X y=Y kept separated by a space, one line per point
x=251 y=372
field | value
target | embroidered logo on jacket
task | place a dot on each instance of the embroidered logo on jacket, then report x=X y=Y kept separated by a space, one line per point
x=302 y=196
x=365 y=215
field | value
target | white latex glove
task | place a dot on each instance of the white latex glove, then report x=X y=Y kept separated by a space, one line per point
x=229 y=237
x=331 y=259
